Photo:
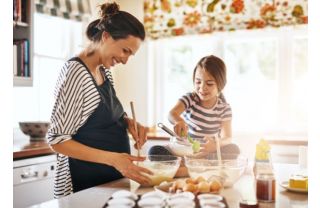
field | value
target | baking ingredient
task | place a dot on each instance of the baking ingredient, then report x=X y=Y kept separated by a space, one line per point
x=262 y=151
x=196 y=185
x=157 y=179
x=266 y=187
x=298 y=181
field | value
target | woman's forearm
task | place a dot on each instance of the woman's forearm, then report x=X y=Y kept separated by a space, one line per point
x=74 y=149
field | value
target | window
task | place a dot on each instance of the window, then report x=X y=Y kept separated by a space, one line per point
x=266 y=71
x=55 y=40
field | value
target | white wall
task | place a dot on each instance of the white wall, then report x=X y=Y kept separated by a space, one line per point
x=131 y=79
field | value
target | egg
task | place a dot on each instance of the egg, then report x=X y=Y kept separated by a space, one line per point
x=200 y=179
x=204 y=187
x=191 y=181
x=190 y=187
x=215 y=186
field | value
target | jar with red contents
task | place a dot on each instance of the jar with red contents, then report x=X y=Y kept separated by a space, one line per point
x=266 y=187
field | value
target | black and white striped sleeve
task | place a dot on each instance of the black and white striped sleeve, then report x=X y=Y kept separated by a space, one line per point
x=76 y=97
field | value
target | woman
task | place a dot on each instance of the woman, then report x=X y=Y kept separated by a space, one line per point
x=88 y=123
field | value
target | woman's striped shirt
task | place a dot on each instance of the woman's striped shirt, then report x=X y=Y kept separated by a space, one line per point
x=76 y=98
x=202 y=121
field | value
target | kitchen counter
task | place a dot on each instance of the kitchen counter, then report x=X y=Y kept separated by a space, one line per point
x=244 y=189
x=24 y=148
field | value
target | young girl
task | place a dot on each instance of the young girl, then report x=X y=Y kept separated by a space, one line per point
x=205 y=112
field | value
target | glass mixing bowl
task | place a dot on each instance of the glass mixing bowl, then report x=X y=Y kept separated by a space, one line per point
x=231 y=168
x=164 y=167
x=180 y=148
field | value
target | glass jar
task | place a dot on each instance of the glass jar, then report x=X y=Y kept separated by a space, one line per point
x=266 y=187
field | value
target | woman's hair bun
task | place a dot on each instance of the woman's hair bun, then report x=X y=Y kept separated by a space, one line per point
x=109 y=9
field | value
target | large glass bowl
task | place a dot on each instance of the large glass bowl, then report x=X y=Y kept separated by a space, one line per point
x=231 y=168
x=180 y=148
x=164 y=167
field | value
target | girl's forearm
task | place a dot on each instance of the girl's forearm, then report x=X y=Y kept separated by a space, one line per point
x=174 y=118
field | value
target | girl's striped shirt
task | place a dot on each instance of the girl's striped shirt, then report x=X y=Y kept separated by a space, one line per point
x=76 y=98
x=202 y=121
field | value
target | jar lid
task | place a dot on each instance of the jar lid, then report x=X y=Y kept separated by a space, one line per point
x=249 y=204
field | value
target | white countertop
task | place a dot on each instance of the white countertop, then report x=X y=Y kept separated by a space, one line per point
x=97 y=196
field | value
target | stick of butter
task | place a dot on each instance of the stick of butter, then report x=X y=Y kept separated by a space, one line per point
x=299 y=181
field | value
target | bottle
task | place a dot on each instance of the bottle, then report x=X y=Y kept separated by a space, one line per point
x=262 y=162
x=263 y=171
x=265 y=187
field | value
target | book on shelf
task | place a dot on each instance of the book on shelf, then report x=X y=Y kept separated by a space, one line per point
x=20 y=11
x=21 y=58
x=15 y=60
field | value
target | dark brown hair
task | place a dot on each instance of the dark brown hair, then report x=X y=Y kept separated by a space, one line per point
x=216 y=68
x=119 y=24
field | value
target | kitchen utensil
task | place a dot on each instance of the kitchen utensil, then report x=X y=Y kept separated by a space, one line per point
x=135 y=125
x=218 y=149
x=172 y=133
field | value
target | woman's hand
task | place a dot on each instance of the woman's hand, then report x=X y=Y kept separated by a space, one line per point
x=209 y=146
x=123 y=162
x=180 y=128
x=141 y=136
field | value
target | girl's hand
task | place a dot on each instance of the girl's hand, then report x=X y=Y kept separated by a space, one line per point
x=209 y=146
x=124 y=164
x=180 y=128
x=141 y=136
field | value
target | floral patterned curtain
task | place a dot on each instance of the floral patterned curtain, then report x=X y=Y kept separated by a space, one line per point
x=165 y=18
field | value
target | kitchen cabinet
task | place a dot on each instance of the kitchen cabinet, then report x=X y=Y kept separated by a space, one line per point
x=23 y=42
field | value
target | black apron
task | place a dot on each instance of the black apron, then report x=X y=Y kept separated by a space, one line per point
x=105 y=129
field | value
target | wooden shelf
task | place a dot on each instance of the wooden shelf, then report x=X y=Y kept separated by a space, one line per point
x=20 y=24
x=22 y=81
